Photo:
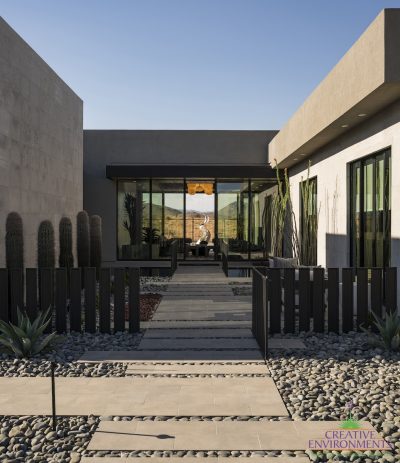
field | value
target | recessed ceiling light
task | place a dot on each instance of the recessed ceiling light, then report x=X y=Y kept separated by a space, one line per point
x=361 y=115
x=344 y=126
x=303 y=154
x=295 y=159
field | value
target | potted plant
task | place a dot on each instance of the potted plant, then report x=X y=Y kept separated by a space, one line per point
x=151 y=236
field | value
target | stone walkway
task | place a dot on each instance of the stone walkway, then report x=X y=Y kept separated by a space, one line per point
x=200 y=339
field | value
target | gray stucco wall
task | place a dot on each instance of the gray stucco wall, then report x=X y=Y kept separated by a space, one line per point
x=40 y=142
x=102 y=147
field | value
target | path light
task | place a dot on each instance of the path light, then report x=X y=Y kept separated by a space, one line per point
x=53 y=395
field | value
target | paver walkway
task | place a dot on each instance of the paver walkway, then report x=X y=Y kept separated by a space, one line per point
x=202 y=330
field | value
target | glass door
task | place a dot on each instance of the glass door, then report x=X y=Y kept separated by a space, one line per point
x=199 y=219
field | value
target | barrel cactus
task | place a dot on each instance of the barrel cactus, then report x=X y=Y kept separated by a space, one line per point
x=14 y=241
x=95 y=242
x=46 y=248
x=66 y=257
x=83 y=239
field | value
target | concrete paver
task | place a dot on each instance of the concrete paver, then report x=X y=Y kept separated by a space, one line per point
x=210 y=435
x=171 y=396
x=197 y=369
x=198 y=333
x=197 y=460
x=198 y=343
x=188 y=355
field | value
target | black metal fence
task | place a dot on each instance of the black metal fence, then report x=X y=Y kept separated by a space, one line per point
x=260 y=304
x=77 y=300
x=319 y=300
x=174 y=256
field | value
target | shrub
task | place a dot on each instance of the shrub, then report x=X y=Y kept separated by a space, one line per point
x=389 y=331
x=24 y=340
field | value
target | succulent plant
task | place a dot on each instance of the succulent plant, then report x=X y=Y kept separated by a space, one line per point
x=95 y=242
x=14 y=241
x=83 y=239
x=389 y=331
x=66 y=257
x=25 y=339
x=46 y=249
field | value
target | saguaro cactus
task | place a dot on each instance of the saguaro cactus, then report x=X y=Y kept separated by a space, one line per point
x=46 y=250
x=14 y=241
x=66 y=257
x=83 y=239
x=95 y=242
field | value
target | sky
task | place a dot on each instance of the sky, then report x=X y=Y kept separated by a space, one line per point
x=191 y=64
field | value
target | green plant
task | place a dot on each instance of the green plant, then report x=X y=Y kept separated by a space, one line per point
x=309 y=221
x=66 y=257
x=25 y=338
x=150 y=235
x=130 y=211
x=388 y=329
x=45 y=245
x=283 y=223
x=83 y=239
x=95 y=242
x=14 y=241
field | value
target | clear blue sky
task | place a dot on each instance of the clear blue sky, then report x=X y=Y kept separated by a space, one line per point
x=191 y=64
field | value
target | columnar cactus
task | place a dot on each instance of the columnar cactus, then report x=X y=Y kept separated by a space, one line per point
x=95 y=242
x=83 y=239
x=46 y=249
x=66 y=257
x=14 y=241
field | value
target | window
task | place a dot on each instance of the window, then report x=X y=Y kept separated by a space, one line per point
x=133 y=219
x=308 y=222
x=370 y=191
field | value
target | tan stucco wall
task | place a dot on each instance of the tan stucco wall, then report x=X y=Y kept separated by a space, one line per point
x=331 y=167
x=365 y=80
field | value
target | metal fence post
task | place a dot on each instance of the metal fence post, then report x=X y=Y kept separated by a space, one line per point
x=53 y=395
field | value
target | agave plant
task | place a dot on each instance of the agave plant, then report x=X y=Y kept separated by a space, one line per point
x=25 y=339
x=389 y=330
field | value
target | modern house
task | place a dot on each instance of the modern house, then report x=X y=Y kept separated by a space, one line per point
x=201 y=187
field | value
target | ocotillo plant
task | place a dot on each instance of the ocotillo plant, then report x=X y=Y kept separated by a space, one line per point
x=45 y=243
x=66 y=257
x=95 y=242
x=83 y=239
x=14 y=241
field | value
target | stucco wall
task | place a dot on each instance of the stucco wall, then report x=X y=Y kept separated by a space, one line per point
x=330 y=166
x=172 y=147
x=40 y=142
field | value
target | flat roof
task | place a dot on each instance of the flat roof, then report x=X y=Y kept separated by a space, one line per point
x=177 y=171
x=364 y=81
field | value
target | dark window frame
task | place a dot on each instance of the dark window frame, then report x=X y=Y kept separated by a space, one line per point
x=357 y=243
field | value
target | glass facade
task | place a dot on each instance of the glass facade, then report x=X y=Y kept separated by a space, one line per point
x=370 y=210
x=152 y=213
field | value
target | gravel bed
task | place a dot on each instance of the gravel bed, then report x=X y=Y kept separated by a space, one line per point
x=66 y=353
x=153 y=284
x=316 y=383
x=32 y=439
x=195 y=453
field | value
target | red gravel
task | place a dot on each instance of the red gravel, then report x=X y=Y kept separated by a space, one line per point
x=148 y=305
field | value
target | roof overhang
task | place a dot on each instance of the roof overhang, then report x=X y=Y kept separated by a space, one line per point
x=366 y=80
x=194 y=171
